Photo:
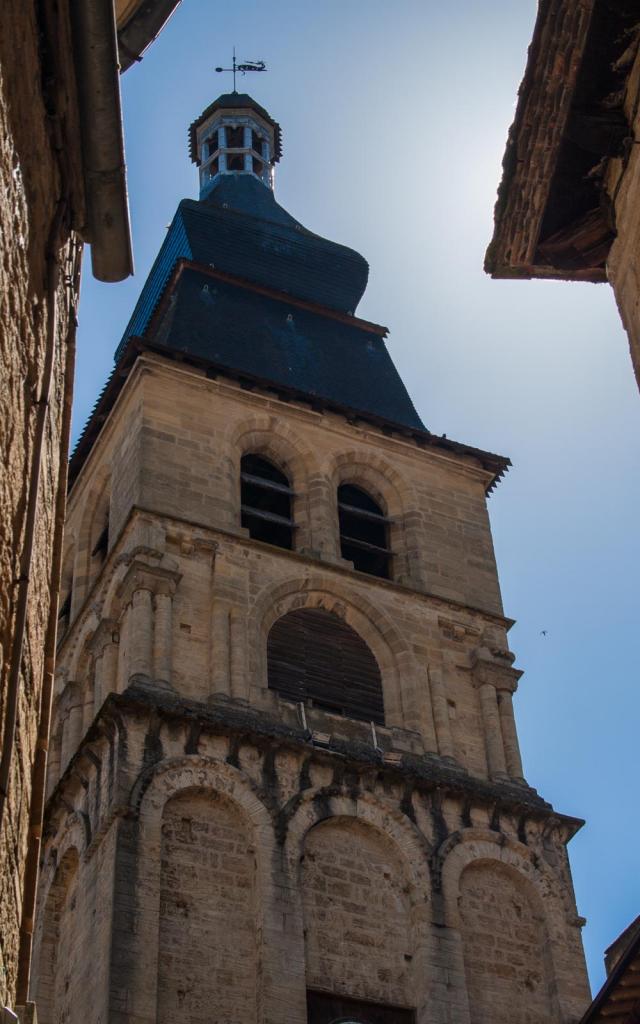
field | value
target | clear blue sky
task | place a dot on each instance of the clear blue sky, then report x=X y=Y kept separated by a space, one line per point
x=394 y=119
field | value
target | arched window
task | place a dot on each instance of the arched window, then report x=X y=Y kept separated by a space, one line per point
x=101 y=546
x=266 y=502
x=99 y=531
x=315 y=657
x=364 y=532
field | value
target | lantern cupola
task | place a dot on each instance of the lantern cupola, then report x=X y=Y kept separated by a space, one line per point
x=234 y=136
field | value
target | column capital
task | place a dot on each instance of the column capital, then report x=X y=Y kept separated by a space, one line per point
x=494 y=668
x=154 y=578
x=70 y=696
x=105 y=633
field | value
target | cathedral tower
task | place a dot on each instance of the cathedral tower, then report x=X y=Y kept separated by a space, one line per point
x=285 y=783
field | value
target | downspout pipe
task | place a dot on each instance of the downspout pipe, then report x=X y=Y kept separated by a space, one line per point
x=108 y=228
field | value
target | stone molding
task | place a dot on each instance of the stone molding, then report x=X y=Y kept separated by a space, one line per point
x=143 y=576
x=494 y=668
x=107 y=632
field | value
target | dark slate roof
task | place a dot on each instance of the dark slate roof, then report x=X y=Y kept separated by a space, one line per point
x=241 y=229
x=275 y=341
x=234 y=101
x=496 y=465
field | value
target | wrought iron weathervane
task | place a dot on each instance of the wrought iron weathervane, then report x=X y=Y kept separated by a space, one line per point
x=248 y=65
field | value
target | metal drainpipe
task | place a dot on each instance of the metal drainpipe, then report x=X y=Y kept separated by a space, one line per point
x=95 y=45
x=33 y=490
x=39 y=772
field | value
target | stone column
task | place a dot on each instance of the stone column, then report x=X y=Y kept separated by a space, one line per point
x=424 y=714
x=220 y=646
x=493 y=676
x=239 y=681
x=71 y=714
x=496 y=763
x=163 y=635
x=54 y=756
x=441 y=714
x=509 y=735
x=141 y=634
x=104 y=644
x=148 y=589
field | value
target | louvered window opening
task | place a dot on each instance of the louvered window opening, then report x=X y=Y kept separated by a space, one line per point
x=323 y=1008
x=315 y=658
x=101 y=546
x=364 y=532
x=266 y=498
x=64 y=610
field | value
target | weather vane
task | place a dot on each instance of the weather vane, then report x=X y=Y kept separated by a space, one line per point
x=249 y=65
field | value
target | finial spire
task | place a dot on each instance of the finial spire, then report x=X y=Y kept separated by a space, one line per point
x=248 y=65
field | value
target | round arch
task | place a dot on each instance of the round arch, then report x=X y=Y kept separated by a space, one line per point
x=473 y=844
x=388 y=647
x=392 y=492
x=95 y=513
x=546 y=892
x=150 y=794
x=270 y=438
x=392 y=832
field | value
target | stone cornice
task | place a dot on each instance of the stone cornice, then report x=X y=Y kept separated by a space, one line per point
x=427 y=772
x=494 y=667
x=105 y=633
x=143 y=576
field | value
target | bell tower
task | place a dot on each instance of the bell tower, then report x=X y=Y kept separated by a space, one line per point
x=285 y=782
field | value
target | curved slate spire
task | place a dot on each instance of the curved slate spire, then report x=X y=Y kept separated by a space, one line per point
x=296 y=329
x=238 y=227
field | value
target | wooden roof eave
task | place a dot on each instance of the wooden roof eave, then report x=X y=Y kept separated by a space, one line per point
x=619 y=997
x=544 y=100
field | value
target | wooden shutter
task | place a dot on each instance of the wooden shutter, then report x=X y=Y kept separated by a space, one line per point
x=323 y=1008
x=314 y=655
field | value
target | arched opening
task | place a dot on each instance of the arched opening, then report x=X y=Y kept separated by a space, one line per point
x=360 y=940
x=66 y=592
x=58 y=969
x=207 y=930
x=502 y=922
x=364 y=532
x=314 y=657
x=328 y=1009
x=98 y=534
x=265 y=501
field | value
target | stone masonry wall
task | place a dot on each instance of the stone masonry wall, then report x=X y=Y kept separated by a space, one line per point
x=186 y=596
x=407 y=884
x=504 y=941
x=623 y=185
x=358 y=931
x=206 y=889
x=211 y=817
x=30 y=186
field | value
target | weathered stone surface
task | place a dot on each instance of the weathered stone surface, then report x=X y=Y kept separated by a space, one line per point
x=30 y=187
x=233 y=853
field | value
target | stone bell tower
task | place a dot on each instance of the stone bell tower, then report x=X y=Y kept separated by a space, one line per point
x=285 y=783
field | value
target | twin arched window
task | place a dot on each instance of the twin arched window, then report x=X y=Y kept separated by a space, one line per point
x=265 y=501
x=364 y=532
x=266 y=510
